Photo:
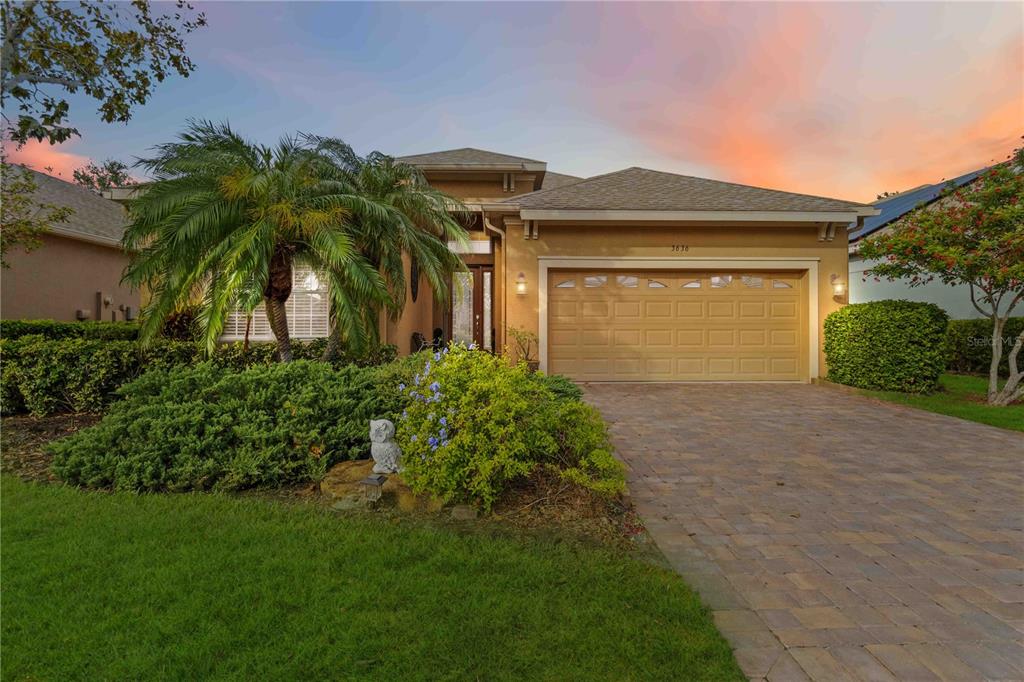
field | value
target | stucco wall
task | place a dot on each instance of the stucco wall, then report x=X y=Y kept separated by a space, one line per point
x=955 y=300
x=657 y=240
x=63 y=276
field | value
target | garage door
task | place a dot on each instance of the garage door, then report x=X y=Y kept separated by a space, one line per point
x=677 y=326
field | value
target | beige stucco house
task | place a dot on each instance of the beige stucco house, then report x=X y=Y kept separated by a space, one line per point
x=76 y=273
x=638 y=275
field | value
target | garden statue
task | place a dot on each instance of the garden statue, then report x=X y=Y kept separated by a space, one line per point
x=383 y=448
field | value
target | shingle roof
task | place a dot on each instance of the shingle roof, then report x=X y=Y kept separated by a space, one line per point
x=94 y=218
x=898 y=206
x=466 y=156
x=553 y=180
x=640 y=189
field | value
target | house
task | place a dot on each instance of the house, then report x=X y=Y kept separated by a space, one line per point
x=76 y=273
x=956 y=300
x=638 y=275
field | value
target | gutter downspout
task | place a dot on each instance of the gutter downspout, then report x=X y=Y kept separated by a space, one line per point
x=504 y=275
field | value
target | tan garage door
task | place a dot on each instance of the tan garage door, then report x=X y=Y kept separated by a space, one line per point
x=677 y=326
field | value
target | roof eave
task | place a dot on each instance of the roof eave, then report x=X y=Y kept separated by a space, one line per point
x=486 y=167
x=712 y=216
x=84 y=236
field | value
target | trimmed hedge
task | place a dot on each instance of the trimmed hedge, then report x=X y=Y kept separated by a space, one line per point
x=887 y=345
x=212 y=428
x=52 y=329
x=44 y=376
x=970 y=345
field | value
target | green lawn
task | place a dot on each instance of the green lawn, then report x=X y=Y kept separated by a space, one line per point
x=962 y=396
x=118 y=586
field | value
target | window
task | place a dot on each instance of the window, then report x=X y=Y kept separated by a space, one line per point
x=628 y=281
x=720 y=281
x=655 y=284
x=691 y=284
x=306 y=309
x=781 y=284
x=566 y=284
x=753 y=281
x=594 y=281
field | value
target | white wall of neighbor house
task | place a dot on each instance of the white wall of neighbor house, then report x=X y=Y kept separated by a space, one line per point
x=955 y=300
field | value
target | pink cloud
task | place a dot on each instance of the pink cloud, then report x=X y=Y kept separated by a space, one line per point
x=46 y=158
x=839 y=100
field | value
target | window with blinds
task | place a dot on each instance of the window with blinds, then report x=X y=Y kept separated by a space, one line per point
x=307 y=310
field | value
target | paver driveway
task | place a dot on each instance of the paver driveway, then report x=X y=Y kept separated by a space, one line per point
x=835 y=537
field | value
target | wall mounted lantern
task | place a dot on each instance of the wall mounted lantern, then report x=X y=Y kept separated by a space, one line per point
x=521 y=284
x=838 y=286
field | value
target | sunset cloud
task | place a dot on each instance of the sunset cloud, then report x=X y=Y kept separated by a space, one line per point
x=56 y=160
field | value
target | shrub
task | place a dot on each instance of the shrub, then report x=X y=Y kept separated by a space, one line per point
x=887 y=345
x=560 y=386
x=208 y=427
x=51 y=329
x=44 y=376
x=474 y=424
x=970 y=345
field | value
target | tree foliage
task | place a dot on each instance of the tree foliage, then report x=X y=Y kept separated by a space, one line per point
x=225 y=219
x=973 y=235
x=113 y=52
x=23 y=219
x=104 y=176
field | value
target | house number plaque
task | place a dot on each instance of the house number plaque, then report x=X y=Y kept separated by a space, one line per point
x=680 y=248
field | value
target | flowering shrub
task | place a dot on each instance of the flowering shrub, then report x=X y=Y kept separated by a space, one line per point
x=473 y=424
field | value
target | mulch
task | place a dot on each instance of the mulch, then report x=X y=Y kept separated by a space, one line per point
x=23 y=442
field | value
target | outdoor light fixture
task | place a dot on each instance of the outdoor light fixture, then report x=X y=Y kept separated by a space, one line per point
x=838 y=286
x=373 y=486
x=521 y=284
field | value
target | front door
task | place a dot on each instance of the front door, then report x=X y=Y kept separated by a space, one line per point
x=472 y=320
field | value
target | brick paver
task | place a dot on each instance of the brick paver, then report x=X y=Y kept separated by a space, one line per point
x=833 y=536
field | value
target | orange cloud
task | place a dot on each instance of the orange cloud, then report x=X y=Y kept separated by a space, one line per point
x=837 y=100
x=46 y=158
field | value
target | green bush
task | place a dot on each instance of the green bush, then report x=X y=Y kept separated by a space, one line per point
x=970 y=345
x=561 y=386
x=51 y=329
x=45 y=376
x=211 y=428
x=474 y=424
x=887 y=345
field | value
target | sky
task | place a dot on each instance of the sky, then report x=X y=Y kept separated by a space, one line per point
x=839 y=100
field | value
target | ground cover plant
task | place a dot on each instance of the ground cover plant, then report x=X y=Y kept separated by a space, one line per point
x=211 y=586
x=962 y=396
x=209 y=427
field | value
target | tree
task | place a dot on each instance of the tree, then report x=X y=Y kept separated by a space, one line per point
x=113 y=52
x=224 y=221
x=107 y=175
x=973 y=235
x=23 y=220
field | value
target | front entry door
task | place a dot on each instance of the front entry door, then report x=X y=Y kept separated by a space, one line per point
x=472 y=320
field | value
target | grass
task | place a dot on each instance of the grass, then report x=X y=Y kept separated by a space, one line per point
x=120 y=586
x=962 y=396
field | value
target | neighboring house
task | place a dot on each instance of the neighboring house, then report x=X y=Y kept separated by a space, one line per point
x=76 y=273
x=956 y=300
x=636 y=275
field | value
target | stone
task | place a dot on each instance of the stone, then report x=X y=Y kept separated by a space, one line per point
x=383 y=448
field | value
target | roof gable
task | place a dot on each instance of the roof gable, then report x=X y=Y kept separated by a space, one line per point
x=641 y=189
x=894 y=208
x=468 y=157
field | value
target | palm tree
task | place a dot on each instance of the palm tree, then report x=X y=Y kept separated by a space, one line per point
x=224 y=220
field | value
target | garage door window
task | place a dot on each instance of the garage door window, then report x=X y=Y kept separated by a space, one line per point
x=781 y=284
x=628 y=281
x=753 y=281
x=691 y=284
x=720 y=281
x=595 y=281
x=655 y=284
x=566 y=284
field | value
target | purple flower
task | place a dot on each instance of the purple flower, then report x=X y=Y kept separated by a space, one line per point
x=432 y=442
x=444 y=443
x=472 y=345
x=444 y=421
x=416 y=380
x=401 y=387
x=413 y=438
x=443 y=434
x=437 y=356
x=405 y=414
x=435 y=387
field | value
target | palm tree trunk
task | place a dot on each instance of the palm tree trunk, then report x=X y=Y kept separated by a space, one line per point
x=333 y=343
x=275 y=295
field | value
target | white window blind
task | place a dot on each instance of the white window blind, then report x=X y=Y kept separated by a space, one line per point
x=307 y=310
